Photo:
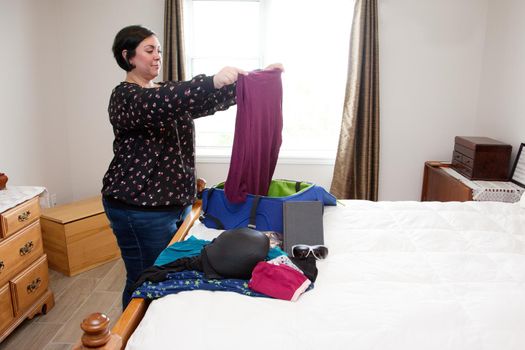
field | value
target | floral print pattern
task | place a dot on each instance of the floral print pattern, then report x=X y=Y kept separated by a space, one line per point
x=154 y=146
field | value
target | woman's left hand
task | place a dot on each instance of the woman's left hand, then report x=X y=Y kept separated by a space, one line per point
x=278 y=66
x=227 y=76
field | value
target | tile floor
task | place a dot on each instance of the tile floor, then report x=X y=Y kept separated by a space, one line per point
x=99 y=289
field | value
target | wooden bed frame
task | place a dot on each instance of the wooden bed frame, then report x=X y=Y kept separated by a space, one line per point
x=96 y=326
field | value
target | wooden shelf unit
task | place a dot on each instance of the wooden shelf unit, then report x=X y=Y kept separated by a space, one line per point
x=440 y=186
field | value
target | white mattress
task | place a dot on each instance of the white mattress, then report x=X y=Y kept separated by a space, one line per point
x=400 y=275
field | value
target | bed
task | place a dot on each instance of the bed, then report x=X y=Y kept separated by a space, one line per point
x=399 y=275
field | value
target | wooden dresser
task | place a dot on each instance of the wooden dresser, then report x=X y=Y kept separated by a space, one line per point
x=439 y=186
x=24 y=290
x=443 y=184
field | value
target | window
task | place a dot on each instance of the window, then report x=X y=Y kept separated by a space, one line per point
x=309 y=37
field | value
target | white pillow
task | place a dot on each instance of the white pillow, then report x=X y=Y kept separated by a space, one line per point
x=522 y=200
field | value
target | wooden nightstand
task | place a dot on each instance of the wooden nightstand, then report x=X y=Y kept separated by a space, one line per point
x=440 y=186
x=443 y=184
x=24 y=277
x=77 y=236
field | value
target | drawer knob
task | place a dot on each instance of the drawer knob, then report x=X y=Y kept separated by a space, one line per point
x=27 y=248
x=2 y=265
x=34 y=285
x=24 y=216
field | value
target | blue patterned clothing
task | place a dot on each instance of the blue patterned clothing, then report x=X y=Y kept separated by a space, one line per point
x=192 y=280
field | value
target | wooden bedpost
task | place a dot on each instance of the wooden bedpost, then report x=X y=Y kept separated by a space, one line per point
x=201 y=185
x=97 y=334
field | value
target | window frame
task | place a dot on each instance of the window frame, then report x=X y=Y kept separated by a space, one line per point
x=221 y=154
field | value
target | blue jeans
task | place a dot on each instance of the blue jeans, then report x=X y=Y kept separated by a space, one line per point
x=141 y=236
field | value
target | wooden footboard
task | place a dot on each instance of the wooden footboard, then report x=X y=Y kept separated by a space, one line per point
x=96 y=326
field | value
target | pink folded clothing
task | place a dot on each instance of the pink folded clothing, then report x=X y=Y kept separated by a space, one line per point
x=278 y=281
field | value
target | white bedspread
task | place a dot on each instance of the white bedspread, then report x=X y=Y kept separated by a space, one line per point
x=400 y=275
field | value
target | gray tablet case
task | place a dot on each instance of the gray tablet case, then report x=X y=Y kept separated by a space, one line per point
x=303 y=224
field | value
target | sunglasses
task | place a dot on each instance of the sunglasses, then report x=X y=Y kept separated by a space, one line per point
x=302 y=251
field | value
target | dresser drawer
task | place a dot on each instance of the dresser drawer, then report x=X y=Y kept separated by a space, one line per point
x=469 y=162
x=6 y=308
x=469 y=152
x=460 y=164
x=463 y=158
x=20 y=250
x=27 y=287
x=19 y=217
x=457 y=157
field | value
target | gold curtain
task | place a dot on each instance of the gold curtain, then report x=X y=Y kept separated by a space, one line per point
x=357 y=162
x=173 y=66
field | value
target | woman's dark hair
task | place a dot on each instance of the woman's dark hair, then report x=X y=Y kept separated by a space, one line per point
x=129 y=38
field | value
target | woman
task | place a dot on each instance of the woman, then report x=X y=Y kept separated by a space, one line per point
x=150 y=183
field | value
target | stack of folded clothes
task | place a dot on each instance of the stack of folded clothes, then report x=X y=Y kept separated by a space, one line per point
x=238 y=260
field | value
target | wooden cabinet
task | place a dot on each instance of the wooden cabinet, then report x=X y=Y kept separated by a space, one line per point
x=78 y=237
x=481 y=158
x=24 y=290
x=442 y=183
x=440 y=186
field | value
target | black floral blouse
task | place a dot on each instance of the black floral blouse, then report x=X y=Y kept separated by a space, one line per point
x=154 y=151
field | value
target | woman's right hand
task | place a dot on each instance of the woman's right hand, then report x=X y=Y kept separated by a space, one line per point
x=227 y=76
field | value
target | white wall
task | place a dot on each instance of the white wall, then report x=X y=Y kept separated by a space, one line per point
x=430 y=64
x=33 y=132
x=90 y=74
x=501 y=107
x=60 y=72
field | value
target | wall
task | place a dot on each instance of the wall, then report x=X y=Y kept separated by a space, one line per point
x=501 y=106
x=58 y=71
x=430 y=64
x=92 y=73
x=33 y=139
x=433 y=84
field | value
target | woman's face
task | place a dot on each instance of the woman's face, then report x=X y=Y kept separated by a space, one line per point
x=148 y=58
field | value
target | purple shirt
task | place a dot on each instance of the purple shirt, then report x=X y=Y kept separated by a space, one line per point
x=257 y=137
